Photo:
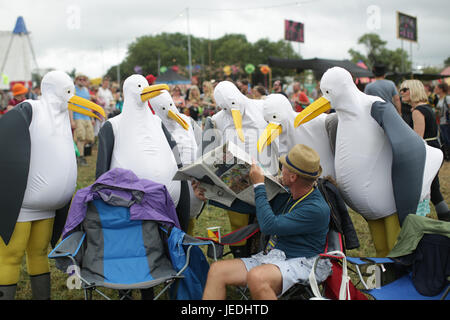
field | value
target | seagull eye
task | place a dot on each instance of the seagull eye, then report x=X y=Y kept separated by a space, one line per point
x=68 y=91
x=232 y=103
x=327 y=92
x=164 y=108
x=171 y=104
x=139 y=85
x=274 y=116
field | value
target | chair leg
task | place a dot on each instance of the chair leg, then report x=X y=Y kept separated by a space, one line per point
x=445 y=293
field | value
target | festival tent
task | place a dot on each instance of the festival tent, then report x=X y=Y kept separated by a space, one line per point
x=398 y=77
x=363 y=79
x=16 y=56
x=446 y=72
x=171 y=77
x=319 y=66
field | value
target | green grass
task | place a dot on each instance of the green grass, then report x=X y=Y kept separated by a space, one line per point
x=211 y=216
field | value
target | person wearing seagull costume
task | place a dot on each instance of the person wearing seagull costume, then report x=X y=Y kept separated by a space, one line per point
x=37 y=180
x=277 y=111
x=137 y=140
x=241 y=121
x=383 y=168
x=187 y=135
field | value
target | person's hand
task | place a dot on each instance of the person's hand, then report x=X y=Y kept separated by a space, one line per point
x=199 y=192
x=73 y=125
x=256 y=173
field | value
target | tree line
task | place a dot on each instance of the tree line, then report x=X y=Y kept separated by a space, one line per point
x=151 y=54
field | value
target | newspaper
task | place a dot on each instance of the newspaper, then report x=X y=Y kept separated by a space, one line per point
x=224 y=174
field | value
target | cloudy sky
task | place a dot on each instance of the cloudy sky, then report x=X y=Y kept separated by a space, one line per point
x=91 y=36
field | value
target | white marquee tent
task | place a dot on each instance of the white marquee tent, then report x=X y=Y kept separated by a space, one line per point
x=16 y=56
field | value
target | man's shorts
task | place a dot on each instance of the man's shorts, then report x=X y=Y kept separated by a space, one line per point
x=84 y=131
x=293 y=271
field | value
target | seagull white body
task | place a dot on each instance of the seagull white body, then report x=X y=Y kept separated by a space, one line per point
x=53 y=170
x=184 y=131
x=277 y=110
x=139 y=141
x=363 y=156
x=253 y=124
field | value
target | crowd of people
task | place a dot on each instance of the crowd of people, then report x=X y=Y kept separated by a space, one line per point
x=197 y=101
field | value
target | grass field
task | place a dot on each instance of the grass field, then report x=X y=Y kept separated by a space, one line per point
x=210 y=217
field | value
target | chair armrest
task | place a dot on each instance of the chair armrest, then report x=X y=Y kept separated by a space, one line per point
x=69 y=246
x=68 y=252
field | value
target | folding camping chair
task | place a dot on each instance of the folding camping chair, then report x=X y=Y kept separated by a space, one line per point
x=401 y=288
x=112 y=251
x=335 y=251
x=417 y=268
x=216 y=247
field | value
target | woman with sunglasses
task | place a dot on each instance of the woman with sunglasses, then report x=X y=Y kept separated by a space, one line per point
x=424 y=124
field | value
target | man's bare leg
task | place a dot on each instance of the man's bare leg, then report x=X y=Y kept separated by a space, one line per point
x=265 y=282
x=221 y=274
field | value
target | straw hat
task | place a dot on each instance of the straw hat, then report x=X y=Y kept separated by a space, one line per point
x=79 y=75
x=18 y=89
x=303 y=160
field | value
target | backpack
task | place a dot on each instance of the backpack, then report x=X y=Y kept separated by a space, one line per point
x=431 y=264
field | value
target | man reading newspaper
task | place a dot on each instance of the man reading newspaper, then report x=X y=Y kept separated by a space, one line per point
x=297 y=222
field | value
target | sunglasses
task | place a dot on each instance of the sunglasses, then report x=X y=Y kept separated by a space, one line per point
x=403 y=90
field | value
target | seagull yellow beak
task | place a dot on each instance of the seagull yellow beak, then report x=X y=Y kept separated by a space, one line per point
x=237 y=119
x=270 y=133
x=178 y=119
x=153 y=91
x=313 y=110
x=76 y=103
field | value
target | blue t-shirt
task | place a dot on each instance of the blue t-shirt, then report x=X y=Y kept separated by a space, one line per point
x=301 y=232
x=83 y=93
x=385 y=89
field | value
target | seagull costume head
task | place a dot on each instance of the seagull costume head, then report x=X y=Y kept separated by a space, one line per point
x=233 y=102
x=165 y=108
x=277 y=111
x=337 y=87
x=136 y=92
x=58 y=91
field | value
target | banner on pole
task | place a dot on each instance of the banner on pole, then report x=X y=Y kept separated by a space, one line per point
x=406 y=27
x=294 y=31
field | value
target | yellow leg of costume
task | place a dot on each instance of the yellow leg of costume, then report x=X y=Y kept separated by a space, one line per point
x=32 y=238
x=11 y=255
x=238 y=220
x=392 y=225
x=37 y=249
x=191 y=226
x=384 y=233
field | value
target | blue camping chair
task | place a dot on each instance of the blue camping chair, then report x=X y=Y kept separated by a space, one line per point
x=112 y=251
x=400 y=289
x=417 y=268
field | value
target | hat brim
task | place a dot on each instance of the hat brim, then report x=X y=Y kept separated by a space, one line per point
x=283 y=161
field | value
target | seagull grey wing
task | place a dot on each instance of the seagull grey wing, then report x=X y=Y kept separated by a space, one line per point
x=408 y=158
x=105 y=149
x=211 y=137
x=15 y=146
x=197 y=132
